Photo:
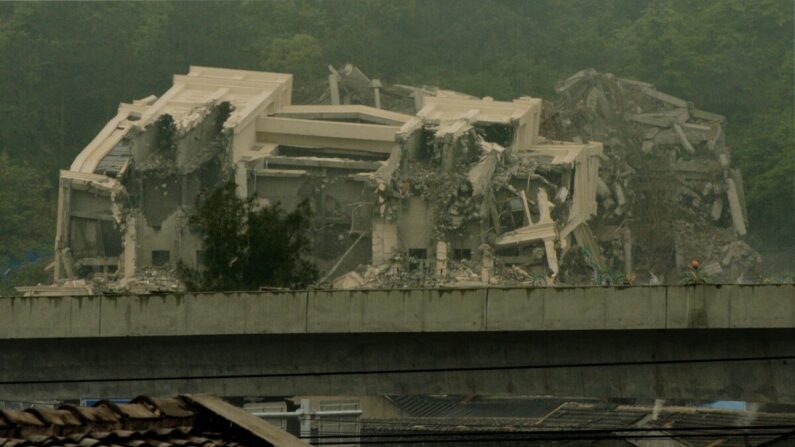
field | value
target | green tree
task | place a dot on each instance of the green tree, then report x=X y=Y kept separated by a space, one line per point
x=247 y=246
x=735 y=58
x=26 y=224
x=300 y=55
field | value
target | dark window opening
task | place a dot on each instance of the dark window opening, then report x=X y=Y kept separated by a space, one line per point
x=160 y=257
x=496 y=133
x=512 y=215
x=111 y=239
x=417 y=259
x=460 y=254
x=426 y=147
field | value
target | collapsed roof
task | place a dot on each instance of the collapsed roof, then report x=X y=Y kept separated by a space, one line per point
x=668 y=193
x=445 y=189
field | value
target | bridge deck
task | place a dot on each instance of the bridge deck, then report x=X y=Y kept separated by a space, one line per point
x=400 y=311
x=706 y=342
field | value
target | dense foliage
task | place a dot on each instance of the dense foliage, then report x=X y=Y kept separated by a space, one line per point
x=65 y=66
x=247 y=246
x=26 y=209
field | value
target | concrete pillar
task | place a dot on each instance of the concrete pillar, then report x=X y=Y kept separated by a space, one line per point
x=334 y=88
x=376 y=85
x=61 y=229
x=486 y=262
x=130 y=254
x=419 y=99
x=385 y=240
x=241 y=179
x=441 y=259
x=627 y=242
x=305 y=418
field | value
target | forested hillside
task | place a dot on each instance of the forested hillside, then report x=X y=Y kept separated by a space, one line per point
x=64 y=67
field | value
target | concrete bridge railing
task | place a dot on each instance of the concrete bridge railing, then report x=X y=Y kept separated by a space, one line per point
x=704 y=342
x=385 y=311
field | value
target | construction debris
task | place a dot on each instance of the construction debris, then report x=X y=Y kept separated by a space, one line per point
x=612 y=183
x=665 y=179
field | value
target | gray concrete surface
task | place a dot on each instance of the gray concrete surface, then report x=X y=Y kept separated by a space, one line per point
x=377 y=311
x=368 y=342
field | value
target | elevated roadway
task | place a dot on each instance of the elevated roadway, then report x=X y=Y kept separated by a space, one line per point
x=703 y=342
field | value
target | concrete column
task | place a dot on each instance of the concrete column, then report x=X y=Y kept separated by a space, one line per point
x=241 y=179
x=130 y=255
x=627 y=242
x=376 y=85
x=305 y=418
x=384 y=241
x=334 y=88
x=62 y=228
x=486 y=262
x=419 y=99
x=441 y=259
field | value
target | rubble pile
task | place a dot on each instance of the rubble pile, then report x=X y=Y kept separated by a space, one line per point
x=348 y=85
x=667 y=192
x=148 y=280
x=613 y=182
x=458 y=274
x=496 y=212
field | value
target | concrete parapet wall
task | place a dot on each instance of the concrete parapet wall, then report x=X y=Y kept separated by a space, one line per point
x=400 y=311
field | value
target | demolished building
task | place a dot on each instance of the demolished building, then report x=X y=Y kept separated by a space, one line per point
x=668 y=193
x=446 y=189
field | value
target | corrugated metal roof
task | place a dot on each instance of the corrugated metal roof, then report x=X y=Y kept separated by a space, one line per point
x=459 y=414
x=593 y=416
x=487 y=407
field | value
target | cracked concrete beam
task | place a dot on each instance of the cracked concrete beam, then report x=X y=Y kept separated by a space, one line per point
x=683 y=139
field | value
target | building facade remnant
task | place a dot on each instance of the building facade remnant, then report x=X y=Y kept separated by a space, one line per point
x=410 y=186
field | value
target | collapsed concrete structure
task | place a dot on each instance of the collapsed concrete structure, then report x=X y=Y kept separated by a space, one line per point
x=667 y=191
x=445 y=189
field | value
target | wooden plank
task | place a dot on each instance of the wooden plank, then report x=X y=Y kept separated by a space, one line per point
x=246 y=422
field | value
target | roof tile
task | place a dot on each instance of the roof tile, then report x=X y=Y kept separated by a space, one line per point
x=22 y=418
x=173 y=408
x=145 y=422
x=132 y=411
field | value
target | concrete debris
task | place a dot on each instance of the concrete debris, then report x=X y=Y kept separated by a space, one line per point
x=413 y=186
x=350 y=280
x=666 y=176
